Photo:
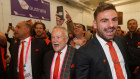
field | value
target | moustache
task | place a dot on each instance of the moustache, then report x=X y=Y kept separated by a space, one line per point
x=110 y=28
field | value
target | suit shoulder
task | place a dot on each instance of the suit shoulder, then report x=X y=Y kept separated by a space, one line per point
x=89 y=44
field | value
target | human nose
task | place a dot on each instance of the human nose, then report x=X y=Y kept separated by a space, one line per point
x=110 y=24
x=54 y=39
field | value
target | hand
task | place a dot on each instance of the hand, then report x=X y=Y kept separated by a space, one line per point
x=9 y=28
x=59 y=21
x=68 y=17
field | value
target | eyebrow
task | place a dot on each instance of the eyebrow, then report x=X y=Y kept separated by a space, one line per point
x=108 y=19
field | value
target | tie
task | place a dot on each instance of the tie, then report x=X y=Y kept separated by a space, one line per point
x=115 y=59
x=56 y=68
x=21 y=68
x=2 y=56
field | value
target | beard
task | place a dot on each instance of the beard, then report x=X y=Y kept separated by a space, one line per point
x=103 y=33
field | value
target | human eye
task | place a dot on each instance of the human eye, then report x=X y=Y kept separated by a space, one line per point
x=104 y=20
x=58 y=37
x=115 y=19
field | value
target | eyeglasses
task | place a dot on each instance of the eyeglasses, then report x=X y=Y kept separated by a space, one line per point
x=38 y=28
x=78 y=26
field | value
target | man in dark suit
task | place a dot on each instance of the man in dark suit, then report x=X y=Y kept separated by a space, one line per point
x=66 y=67
x=103 y=57
x=26 y=55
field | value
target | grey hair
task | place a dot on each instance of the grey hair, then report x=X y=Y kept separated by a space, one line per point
x=62 y=28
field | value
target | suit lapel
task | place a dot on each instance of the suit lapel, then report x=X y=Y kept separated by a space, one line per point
x=103 y=58
x=65 y=71
x=15 y=55
x=122 y=47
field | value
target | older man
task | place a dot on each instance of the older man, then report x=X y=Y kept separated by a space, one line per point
x=58 y=63
x=103 y=57
x=27 y=54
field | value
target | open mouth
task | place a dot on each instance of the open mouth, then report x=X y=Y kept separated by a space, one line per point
x=110 y=31
x=56 y=45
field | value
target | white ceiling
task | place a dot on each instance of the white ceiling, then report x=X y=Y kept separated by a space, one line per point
x=92 y=4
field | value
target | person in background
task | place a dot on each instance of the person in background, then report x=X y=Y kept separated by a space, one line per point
x=118 y=31
x=132 y=41
x=48 y=34
x=26 y=54
x=88 y=34
x=138 y=30
x=94 y=31
x=40 y=33
x=78 y=30
x=13 y=40
x=71 y=36
x=104 y=56
x=3 y=46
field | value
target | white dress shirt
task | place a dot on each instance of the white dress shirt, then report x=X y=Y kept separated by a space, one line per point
x=62 y=56
x=27 y=65
x=109 y=58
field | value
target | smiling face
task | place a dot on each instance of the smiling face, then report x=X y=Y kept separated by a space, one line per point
x=59 y=39
x=106 y=24
x=132 y=25
x=39 y=30
x=78 y=30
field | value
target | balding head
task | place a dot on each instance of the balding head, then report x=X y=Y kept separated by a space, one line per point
x=22 y=30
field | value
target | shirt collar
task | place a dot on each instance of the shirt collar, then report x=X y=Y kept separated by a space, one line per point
x=101 y=40
x=26 y=40
x=65 y=49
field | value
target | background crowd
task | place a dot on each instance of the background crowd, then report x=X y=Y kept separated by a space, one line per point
x=73 y=48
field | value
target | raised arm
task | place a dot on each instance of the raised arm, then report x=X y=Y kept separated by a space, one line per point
x=70 y=24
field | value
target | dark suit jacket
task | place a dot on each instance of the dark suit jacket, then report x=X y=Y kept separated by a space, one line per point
x=67 y=69
x=38 y=49
x=91 y=61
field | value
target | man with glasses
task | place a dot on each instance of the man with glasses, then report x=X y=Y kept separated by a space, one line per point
x=79 y=32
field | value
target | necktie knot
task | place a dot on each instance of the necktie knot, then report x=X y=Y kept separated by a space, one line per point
x=59 y=53
x=23 y=42
x=109 y=43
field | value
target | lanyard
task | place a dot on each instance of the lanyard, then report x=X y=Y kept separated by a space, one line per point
x=26 y=51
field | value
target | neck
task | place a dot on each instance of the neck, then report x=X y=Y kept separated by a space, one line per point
x=41 y=36
x=25 y=37
x=79 y=36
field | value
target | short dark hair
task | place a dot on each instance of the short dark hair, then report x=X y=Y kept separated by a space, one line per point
x=40 y=24
x=131 y=20
x=83 y=27
x=102 y=7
